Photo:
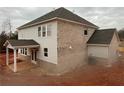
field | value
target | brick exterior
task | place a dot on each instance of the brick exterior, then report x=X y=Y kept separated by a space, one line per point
x=71 y=45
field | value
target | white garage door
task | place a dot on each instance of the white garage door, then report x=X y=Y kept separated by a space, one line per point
x=98 y=51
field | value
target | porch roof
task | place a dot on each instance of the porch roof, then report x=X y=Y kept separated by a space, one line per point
x=22 y=43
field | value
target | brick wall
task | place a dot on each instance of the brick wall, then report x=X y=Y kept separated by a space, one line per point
x=71 y=45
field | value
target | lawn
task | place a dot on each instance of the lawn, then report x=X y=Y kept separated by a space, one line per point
x=86 y=75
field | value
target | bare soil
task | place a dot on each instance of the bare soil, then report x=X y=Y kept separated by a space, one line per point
x=88 y=75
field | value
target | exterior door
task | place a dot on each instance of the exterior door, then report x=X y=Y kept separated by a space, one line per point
x=33 y=56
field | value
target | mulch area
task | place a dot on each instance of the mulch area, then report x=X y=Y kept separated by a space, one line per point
x=88 y=75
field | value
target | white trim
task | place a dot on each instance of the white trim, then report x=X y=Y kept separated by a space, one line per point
x=33 y=61
x=15 y=63
x=77 y=22
x=46 y=30
x=23 y=49
x=36 y=23
x=39 y=31
x=84 y=32
x=98 y=45
x=29 y=46
x=8 y=45
x=46 y=52
x=12 y=47
x=43 y=31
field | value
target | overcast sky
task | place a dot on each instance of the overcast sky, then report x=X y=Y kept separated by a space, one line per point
x=102 y=17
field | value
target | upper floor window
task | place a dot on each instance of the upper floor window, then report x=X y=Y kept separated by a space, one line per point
x=85 y=32
x=44 y=28
x=49 y=30
x=39 y=31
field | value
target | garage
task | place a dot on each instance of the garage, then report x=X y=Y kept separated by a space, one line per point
x=103 y=44
x=98 y=51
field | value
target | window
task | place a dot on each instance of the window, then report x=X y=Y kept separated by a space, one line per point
x=85 y=32
x=49 y=30
x=39 y=31
x=24 y=51
x=44 y=31
x=46 y=52
x=21 y=50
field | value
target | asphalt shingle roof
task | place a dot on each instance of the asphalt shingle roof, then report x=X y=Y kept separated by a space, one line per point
x=103 y=36
x=23 y=42
x=60 y=13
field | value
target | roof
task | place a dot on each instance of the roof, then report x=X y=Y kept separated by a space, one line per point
x=59 y=13
x=20 y=43
x=103 y=36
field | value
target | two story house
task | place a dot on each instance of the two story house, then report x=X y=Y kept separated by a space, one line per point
x=56 y=41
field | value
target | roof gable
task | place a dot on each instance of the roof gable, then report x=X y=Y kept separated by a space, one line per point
x=21 y=43
x=60 y=13
x=103 y=36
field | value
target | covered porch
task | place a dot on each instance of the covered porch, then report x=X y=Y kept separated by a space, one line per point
x=26 y=48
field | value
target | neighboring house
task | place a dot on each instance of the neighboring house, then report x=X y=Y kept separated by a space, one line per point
x=104 y=44
x=57 y=41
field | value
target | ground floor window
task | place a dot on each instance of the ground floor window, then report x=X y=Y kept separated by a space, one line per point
x=46 y=52
x=23 y=51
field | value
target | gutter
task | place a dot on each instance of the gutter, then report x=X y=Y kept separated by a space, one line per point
x=98 y=45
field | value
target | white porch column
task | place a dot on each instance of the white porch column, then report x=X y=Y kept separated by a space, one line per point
x=15 y=65
x=7 y=56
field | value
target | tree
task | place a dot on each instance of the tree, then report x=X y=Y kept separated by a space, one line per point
x=14 y=35
x=3 y=38
x=7 y=26
x=121 y=34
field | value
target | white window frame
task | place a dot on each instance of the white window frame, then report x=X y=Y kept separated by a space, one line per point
x=23 y=51
x=87 y=32
x=39 y=31
x=46 y=52
x=50 y=30
x=46 y=30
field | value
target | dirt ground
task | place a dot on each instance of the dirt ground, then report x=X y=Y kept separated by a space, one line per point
x=88 y=75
